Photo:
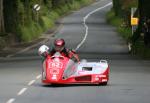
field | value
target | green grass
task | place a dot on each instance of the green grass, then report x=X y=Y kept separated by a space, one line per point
x=123 y=30
x=33 y=30
x=141 y=50
x=30 y=32
x=112 y=19
x=138 y=48
x=126 y=33
x=2 y=42
x=46 y=22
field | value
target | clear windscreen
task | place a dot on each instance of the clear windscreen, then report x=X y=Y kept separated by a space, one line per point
x=70 y=69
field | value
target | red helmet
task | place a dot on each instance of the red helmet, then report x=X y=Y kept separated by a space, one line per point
x=59 y=44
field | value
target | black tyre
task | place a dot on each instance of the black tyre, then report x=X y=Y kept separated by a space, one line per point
x=104 y=83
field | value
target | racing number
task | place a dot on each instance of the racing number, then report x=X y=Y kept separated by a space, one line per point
x=55 y=65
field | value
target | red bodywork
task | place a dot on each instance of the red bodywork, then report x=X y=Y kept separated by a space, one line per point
x=54 y=71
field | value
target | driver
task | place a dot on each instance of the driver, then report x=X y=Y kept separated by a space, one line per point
x=59 y=46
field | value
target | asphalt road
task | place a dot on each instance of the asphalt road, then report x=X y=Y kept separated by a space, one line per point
x=129 y=75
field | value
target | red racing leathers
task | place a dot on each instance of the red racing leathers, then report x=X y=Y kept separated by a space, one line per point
x=68 y=53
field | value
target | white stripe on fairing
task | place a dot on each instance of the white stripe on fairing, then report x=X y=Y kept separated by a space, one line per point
x=85 y=25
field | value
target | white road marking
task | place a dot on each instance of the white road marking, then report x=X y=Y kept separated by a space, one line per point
x=39 y=76
x=85 y=25
x=22 y=91
x=31 y=82
x=11 y=100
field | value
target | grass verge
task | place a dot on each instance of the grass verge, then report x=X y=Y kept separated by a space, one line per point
x=122 y=29
x=141 y=50
x=138 y=48
x=34 y=29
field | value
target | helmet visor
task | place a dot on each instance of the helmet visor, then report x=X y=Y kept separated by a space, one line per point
x=59 y=48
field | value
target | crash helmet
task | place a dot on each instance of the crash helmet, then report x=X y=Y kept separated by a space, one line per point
x=43 y=50
x=59 y=44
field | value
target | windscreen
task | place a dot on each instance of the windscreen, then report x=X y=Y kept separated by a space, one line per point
x=70 y=69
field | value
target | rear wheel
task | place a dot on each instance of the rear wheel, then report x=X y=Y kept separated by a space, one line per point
x=104 y=83
x=54 y=85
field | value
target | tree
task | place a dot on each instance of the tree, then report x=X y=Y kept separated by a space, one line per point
x=117 y=7
x=2 y=28
x=144 y=13
x=58 y=3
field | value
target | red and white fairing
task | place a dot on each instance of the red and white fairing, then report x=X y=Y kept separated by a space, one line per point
x=62 y=70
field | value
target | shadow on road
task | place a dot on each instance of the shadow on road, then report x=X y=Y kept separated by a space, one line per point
x=68 y=85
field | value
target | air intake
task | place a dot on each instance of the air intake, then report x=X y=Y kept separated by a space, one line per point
x=84 y=78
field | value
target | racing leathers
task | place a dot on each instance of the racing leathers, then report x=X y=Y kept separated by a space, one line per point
x=68 y=53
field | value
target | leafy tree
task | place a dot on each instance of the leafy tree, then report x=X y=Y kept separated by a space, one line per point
x=2 y=28
x=18 y=18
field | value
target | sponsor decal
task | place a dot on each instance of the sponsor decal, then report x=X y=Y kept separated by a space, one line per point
x=54 y=77
x=102 y=76
x=96 y=79
x=104 y=80
x=54 y=71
